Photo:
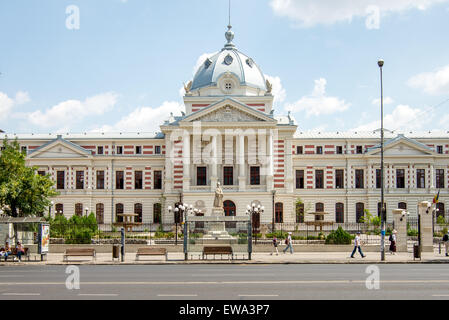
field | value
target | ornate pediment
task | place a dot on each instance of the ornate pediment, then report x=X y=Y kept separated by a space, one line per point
x=228 y=114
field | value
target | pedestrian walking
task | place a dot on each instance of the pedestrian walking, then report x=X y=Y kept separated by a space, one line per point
x=275 y=246
x=446 y=242
x=357 y=245
x=288 y=242
x=393 y=240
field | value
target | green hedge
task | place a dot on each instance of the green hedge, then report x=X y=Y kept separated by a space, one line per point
x=339 y=236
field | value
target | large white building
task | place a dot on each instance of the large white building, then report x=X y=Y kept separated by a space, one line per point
x=228 y=134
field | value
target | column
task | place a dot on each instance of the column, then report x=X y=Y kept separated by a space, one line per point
x=432 y=177
x=270 y=162
x=168 y=183
x=241 y=162
x=214 y=166
x=186 y=162
x=425 y=211
x=400 y=225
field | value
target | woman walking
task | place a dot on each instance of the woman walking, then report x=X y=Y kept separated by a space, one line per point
x=393 y=242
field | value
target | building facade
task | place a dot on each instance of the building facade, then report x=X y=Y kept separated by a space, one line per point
x=228 y=134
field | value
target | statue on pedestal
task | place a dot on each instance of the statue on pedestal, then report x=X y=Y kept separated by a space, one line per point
x=218 y=201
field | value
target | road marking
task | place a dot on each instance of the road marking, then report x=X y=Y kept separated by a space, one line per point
x=258 y=295
x=98 y=294
x=21 y=294
x=177 y=295
x=439 y=281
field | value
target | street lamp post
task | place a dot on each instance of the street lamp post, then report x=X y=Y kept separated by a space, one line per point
x=380 y=63
x=87 y=210
x=254 y=210
x=273 y=218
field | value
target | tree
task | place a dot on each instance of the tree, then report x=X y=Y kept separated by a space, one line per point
x=22 y=191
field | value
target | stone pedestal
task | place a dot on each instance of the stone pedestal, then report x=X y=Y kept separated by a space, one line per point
x=217 y=230
x=425 y=212
x=401 y=228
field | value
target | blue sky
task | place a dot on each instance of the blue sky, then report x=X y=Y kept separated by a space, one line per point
x=123 y=69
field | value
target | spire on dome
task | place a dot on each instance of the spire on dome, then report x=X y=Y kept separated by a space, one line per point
x=229 y=34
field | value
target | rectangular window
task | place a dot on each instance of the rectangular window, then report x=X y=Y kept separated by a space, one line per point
x=359 y=179
x=157 y=180
x=420 y=178
x=378 y=178
x=100 y=180
x=359 y=149
x=138 y=150
x=400 y=178
x=299 y=179
x=119 y=180
x=157 y=150
x=440 y=149
x=100 y=150
x=41 y=173
x=60 y=180
x=138 y=180
x=339 y=179
x=440 y=178
x=299 y=150
x=228 y=176
x=201 y=176
x=339 y=150
x=319 y=179
x=319 y=150
x=255 y=176
x=119 y=150
x=24 y=149
x=80 y=180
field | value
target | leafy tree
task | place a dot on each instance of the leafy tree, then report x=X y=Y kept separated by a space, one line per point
x=22 y=191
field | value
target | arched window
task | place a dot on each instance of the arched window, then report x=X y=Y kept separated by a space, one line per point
x=440 y=212
x=119 y=209
x=138 y=209
x=340 y=213
x=319 y=207
x=99 y=210
x=402 y=205
x=230 y=211
x=157 y=213
x=59 y=209
x=279 y=212
x=79 y=209
x=359 y=212
x=300 y=213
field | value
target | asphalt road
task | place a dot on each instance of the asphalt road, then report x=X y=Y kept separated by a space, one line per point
x=228 y=282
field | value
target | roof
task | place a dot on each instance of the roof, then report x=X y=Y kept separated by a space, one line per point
x=229 y=60
x=84 y=136
x=370 y=135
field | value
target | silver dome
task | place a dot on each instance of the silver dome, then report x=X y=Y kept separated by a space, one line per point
x=229 y=60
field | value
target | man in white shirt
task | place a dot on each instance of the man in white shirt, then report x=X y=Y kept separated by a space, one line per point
x=357 y=245
x=289 y=243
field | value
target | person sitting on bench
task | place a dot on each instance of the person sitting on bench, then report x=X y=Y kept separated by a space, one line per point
x=7 y=250
x=20 y=251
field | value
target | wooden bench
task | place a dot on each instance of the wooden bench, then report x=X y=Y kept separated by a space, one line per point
x=14 y=253
x=79 y=252
x=151 y=252
x=224 y=250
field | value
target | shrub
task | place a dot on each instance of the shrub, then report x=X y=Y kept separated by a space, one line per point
x=412 y=233
x=339 y=236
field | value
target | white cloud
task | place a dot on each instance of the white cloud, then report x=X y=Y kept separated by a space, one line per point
x=22 y=97
x=70 y=112
x=318 y=103
x=279 y=92
x=434 y=83
x=308 y=13
x=387 y=101
x=144 y=119
x=6 y=105
x=404 y=118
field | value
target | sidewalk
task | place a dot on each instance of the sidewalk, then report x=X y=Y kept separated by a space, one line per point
x=257 y=258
